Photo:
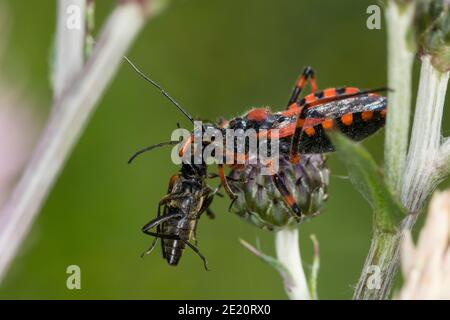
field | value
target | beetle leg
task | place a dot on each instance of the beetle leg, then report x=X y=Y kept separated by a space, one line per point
x=150 y=249
x=158 y=235
x=162 y=235
x=158 y=220
x=197 y=251
x=210 y=214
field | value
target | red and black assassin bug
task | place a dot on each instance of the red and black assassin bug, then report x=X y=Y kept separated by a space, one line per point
x=303 y=125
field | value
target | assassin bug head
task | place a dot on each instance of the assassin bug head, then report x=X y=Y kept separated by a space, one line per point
x=166 y=95
x=205 y=126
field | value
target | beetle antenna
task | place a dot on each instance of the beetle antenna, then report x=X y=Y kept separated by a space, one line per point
x=163 y=92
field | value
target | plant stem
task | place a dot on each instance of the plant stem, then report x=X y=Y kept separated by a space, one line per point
x=90 y=25
x=69 y=44
x=288 y=253
x=444 y=159
x=380 y=267
x=422 y=173
x=400 y=59
x=71 y=113
x=314 y=269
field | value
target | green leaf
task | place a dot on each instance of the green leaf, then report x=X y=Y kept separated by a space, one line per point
x=271 y=261
x=368 y=180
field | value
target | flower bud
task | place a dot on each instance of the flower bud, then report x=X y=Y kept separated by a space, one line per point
x=433 y=31
x=259 y=201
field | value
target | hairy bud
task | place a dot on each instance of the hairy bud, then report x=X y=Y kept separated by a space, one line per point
x=259 y=201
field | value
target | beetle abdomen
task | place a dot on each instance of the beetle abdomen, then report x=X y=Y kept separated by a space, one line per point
x=173 y=249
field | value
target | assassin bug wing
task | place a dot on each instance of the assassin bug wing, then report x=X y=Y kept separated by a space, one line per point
x=338 y=108
x=328 y=94
x=286 y=122
x=357 y=117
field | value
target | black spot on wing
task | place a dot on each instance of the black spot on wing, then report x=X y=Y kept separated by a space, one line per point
x=317 y=143
x=360 y=129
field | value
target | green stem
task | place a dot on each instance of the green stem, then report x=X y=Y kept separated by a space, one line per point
x=380 y=267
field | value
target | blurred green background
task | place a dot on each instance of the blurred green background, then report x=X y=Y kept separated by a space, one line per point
x=218 y=58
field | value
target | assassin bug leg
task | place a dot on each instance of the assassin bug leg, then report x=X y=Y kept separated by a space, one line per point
x=225 y=184
x=288 y=198
x=308 y=74
x=197 y=251
x=295 y=157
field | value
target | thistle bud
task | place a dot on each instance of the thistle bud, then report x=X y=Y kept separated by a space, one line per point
x=433 y=31
x=259 y=201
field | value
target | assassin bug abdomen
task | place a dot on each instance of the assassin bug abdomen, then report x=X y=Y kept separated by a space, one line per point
x=188 y=197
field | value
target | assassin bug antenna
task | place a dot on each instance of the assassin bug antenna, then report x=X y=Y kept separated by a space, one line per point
x=162 y=144
x=163 y=92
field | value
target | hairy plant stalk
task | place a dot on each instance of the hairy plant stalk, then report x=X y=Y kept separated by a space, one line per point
x=381 y=262
x=422 y=172
x=444 y=156
x=69 y=43
x=71 y=113
x=288 y=253
x=400 y=61
x=380 y=267
x=426 y=165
